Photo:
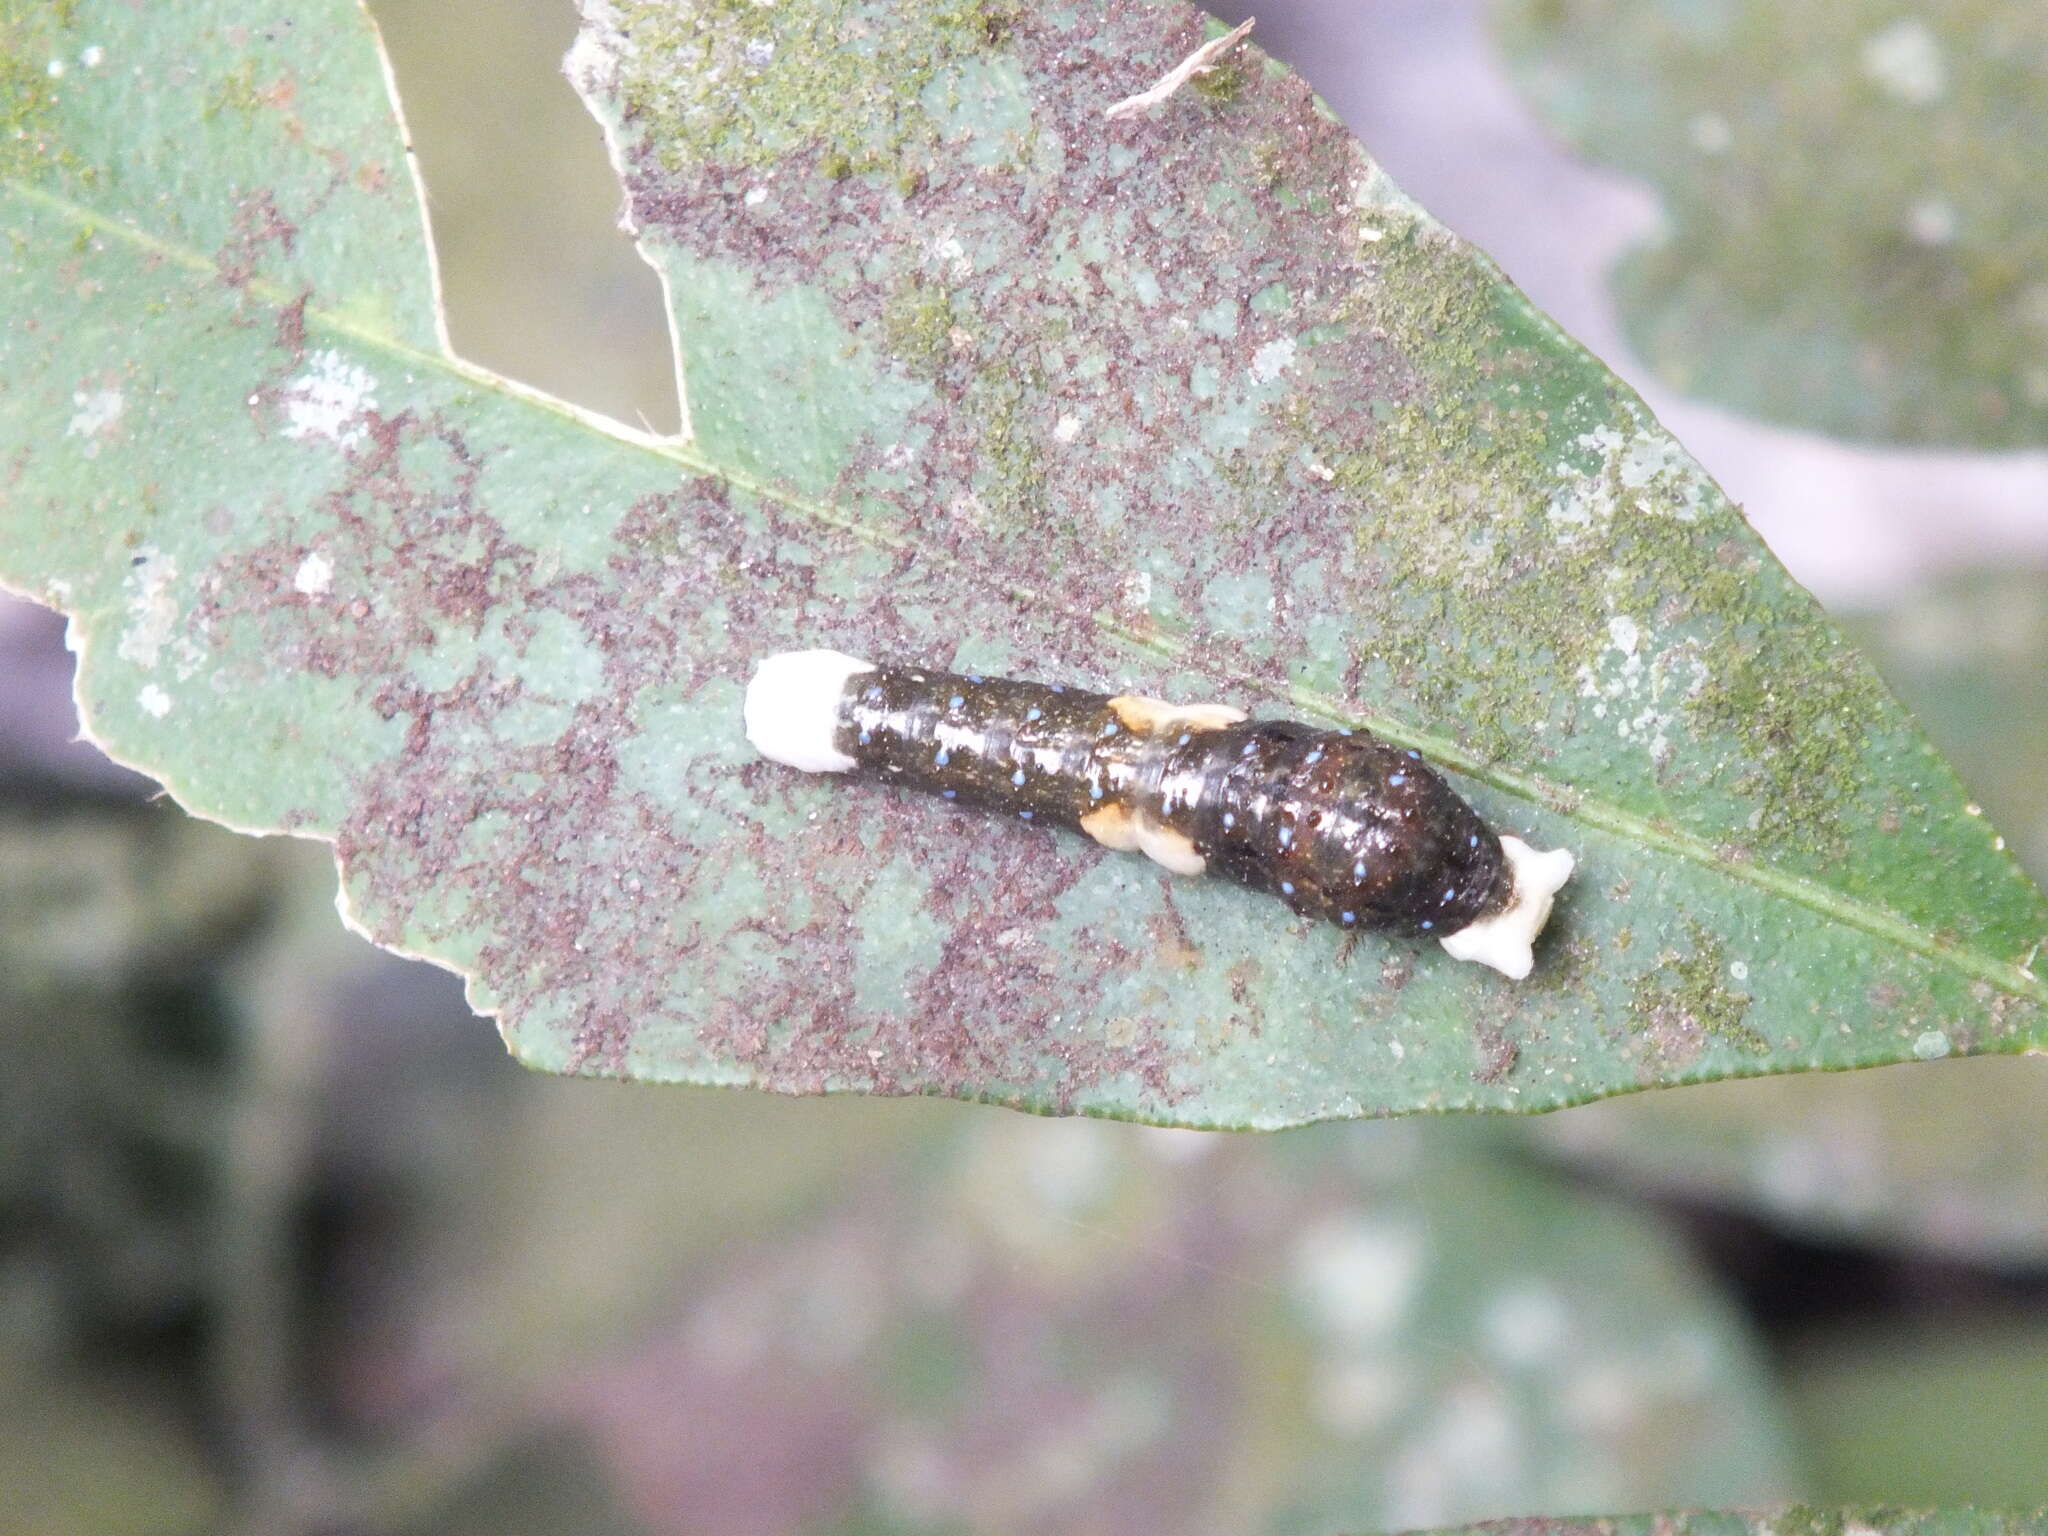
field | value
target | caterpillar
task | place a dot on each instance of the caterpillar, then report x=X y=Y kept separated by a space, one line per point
x=1338 y=824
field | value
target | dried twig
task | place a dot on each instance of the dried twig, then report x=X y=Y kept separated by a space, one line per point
x=1202 y=60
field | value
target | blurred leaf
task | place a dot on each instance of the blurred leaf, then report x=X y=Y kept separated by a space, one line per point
x=1855 y=230
x=103 y=1455
x=116 y=1039
x=1931 y=1414
x=584 y=1202
x=540 y=1489
x=481 y=1230
x=1079 y=1326
x=1197 y=402
x=1969 y=655
x=1798 y=1520
x=1944 y=1156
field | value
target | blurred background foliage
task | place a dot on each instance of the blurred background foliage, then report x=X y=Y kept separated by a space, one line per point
x=1896 y=296
x=288 y=1244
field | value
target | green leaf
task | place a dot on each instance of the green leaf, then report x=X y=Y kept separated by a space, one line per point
x=1854 y=231
x=1942 y=1156
x=1195 y=402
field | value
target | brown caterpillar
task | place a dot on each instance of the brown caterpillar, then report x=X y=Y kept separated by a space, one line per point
x=1338 y=824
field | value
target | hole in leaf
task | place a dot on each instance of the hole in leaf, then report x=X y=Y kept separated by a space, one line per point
x=539 y=281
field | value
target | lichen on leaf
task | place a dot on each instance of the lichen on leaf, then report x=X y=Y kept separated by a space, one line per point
x=1194 y=403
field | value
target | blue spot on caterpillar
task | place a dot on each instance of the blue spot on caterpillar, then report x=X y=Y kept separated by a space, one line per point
x=1337 y=824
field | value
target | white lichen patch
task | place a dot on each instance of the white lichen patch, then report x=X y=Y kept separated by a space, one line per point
x=1689 y=1361
x=914 y=1481
x=1624 y=634
x=1036 y=1478
x=2031 y=307
x=937 y=1266
x=594 y=60
x=1469 y=1455
x=1931 y=1045
x=1352 y=1396
x=947 y=254
x=1357 y=1276
x=1644 y=470
x=1072 y=1169
x=1272 y=360
x=1835 y=1167
x=151 y=605
x=1933 y=221
x=1906 y=60
x=153 y=701
x=93 y=411
x=1388 y=209
x=1175 y=1145
x=1709 y=133
x=1640 y=691
x=93 y=57
x=328 y=400
x=314 y=575
x=839 y=1304
x=1526 y=1323
x=1606 y=1398
x=730 y=1332
x=1067 y=428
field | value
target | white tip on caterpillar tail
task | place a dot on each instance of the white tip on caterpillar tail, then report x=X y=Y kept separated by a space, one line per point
x=792 y=708
x=1506 y=940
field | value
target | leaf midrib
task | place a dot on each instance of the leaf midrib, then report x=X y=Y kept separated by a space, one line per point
x=1567 y=801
